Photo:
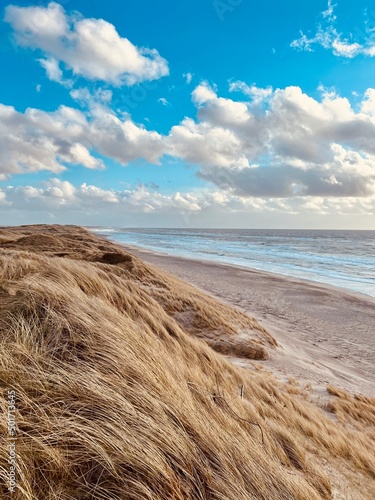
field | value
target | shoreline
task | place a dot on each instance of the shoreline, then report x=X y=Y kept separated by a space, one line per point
x=353 y=281
x=326 y=333
x=297 y=279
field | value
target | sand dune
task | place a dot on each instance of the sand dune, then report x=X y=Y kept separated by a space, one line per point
x=121 y=395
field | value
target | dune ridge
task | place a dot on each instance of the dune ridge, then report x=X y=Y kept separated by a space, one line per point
x=121 y=395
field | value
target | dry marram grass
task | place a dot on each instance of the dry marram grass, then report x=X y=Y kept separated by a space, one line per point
x=117 y=398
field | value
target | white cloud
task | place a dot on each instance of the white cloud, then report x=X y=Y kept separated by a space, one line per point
x=87 y=202
x=205 y=144
x=123 y=140
x=96 y=101
x=96 y=194
x=303 y=43
x=53 y=71
x=203 y=93
x=329 y=38
x=26 y=145
x=91 y=48
x=258 y=95
x=294 y=146
x=80 y=155
x=291 y=145
x=221 y=111
x=2 y=198
x=368 y=104
x=346 y=49
x=329 y=13
x=38 y=140
x=62 y=195
x=370 y=51
x=188 y=77
x=163 y=101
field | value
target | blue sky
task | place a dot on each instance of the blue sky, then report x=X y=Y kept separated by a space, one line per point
x=199 y=113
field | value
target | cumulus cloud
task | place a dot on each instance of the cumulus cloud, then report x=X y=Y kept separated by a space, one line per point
x=37 y=140
x=123 y=140
x=293 y=146
x=91 y=48
x=206 y=144
x=34 y=141
x=329 y=38
x=368 y=104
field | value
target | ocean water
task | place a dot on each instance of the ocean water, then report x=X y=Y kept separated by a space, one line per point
x=341 y=258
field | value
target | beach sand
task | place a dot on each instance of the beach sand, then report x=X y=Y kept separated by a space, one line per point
x=326 y=335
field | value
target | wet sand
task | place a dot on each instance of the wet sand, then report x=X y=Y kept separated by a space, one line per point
x=326 y=334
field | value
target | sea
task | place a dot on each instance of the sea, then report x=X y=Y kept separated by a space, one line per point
x=340 y=258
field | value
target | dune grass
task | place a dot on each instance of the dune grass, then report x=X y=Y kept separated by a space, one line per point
x=120 y=397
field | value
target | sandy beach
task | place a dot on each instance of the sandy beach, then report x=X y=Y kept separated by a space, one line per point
x=326 y=335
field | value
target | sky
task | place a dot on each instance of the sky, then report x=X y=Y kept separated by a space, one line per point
x=207 y=113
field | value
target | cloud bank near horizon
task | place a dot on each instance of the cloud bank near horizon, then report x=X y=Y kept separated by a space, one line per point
x=62 y=197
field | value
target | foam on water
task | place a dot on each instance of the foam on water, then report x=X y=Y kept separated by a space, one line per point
x=341 y=258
